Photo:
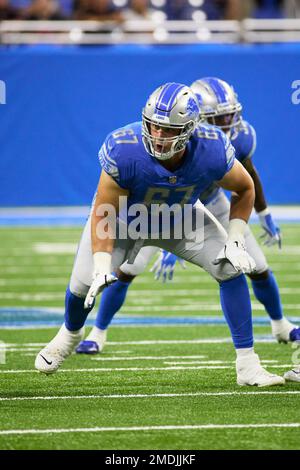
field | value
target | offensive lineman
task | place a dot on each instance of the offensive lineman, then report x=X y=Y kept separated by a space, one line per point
x=167 y=159
x=219 y=106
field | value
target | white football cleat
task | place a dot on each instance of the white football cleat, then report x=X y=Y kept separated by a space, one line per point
x=60 y=347
x=293 y=375
x=281 y=330
x=250 y=372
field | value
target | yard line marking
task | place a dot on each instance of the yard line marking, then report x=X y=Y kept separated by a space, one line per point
x=46 y=269
x=151 y=308
x=197 y=279
x=32 y=282
x=57 y=248
x=158 y=358
x=161 y=341
x=269 y=363
x=134 y=369
x=195 y=307
x=151 y=395
x=135 y=358
x=150 y=428
x=116 y=369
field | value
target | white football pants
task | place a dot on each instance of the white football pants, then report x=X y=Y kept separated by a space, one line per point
x=200 y=253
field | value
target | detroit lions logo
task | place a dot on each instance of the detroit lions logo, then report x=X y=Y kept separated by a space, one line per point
x=192 y=107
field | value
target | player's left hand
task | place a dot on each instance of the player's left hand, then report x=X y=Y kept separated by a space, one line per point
x=165 y=264
x=235 y=253
x=271 y=235
x=99 y=283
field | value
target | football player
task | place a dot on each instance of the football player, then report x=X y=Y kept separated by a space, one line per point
x=166 y=159
x=219 y=106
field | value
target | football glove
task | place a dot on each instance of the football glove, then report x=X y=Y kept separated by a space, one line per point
x=235 y=253
x=165 y=264
x=99 y=283
x=271 y=235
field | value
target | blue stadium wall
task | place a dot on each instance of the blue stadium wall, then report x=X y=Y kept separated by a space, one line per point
x=62 y=101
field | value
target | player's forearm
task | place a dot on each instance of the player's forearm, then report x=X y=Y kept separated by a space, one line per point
x=103 y=229
x=102 y=243
x=242 y=204
x=104 y=215
x=260 y=202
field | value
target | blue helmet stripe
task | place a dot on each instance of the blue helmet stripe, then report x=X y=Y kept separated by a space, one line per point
x=167 y=96
x=217 y=88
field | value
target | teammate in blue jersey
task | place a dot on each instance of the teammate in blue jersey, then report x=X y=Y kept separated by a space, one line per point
x=220 y=107
x=167 y=160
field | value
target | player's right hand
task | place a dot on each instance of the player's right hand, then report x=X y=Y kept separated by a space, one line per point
x=235 y=252
x=99 y=283
x=165 y=264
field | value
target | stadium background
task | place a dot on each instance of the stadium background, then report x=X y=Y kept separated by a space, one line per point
x=62 y=101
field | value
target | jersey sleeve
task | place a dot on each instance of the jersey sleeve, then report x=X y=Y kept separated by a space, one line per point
x=248 y=146
x=114 y=163
x=227 y=156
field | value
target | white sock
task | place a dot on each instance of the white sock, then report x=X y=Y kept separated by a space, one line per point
x=244 y=353
x=96 y=334
x=279 y=322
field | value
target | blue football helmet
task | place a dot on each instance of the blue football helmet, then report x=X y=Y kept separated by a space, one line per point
x=173 y=108
x=218 y=102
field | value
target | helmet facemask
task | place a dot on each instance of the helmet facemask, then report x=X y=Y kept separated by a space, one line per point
x=164 y=148
x=227 y=122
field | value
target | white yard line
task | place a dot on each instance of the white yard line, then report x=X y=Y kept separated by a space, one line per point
x=151 y=395
x=150 y=428
x=116 y=369
x=191 y=306
x=145 y=358
x=148 y=342
x=136 y=369
x=198 y=279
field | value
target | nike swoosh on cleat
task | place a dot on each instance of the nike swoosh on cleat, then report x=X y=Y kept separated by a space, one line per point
x=49 y=363
x=295 y=371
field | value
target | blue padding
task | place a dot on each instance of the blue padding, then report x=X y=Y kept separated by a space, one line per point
x=62 y=101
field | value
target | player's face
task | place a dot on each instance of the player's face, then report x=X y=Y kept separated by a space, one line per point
x=162 y=137
x=224 y=121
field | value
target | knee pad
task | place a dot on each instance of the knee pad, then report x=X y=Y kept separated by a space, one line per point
x=224 y=272
x=78 y=288
x=138 y=267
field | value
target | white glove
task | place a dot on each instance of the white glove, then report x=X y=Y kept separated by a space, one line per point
x=102 y=266
x=99 y=283
x=234 y=250
x=165 y=264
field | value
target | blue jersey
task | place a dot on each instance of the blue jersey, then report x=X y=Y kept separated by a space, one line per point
x=244 y=143
x=209 y=156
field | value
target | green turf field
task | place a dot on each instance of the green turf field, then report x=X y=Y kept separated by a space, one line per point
x=154 y=386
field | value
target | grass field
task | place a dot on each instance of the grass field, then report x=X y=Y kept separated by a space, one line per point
x=155 y=386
